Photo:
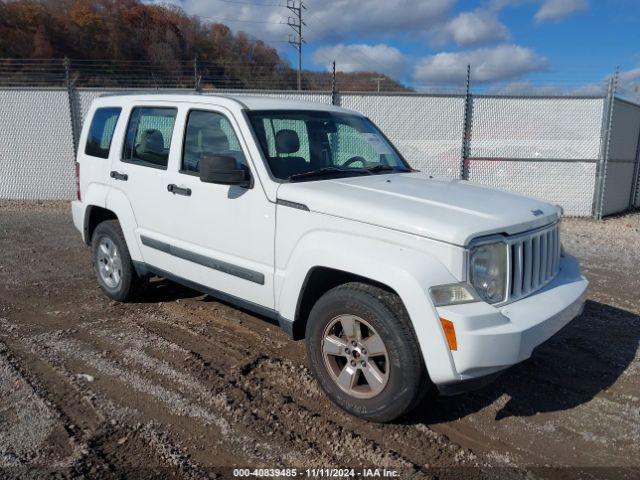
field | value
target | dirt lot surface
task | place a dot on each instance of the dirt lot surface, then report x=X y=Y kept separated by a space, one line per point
x=180 y=385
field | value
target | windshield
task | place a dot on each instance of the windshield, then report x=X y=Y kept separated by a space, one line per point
x=311 y=145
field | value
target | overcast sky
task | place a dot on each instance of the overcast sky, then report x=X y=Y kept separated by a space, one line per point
x=512 y=45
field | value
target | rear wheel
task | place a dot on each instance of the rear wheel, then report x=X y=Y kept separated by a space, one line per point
x=363 y=351
x=111 y=260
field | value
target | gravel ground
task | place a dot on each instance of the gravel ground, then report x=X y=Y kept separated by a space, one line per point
x=179 y=385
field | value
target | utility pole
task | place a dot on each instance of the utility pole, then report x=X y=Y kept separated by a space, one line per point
x=378 y=80
x=297 y=39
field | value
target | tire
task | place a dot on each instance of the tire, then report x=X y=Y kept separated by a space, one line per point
x=399 y=378
x=124 y=282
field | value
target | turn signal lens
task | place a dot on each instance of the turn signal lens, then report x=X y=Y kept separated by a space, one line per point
x=449 y=333
x=452 y=294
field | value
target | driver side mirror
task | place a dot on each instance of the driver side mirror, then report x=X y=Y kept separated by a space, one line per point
x=223 y=170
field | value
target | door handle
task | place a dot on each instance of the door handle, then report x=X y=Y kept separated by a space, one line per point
x=176 y=190
x=119 y=176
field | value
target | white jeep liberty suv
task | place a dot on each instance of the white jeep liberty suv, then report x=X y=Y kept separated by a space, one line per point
x=307 y=214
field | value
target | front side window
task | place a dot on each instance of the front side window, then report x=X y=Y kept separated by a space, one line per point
x=101 y=131
x=311 y=145
x=149 y=135
x=207 y=134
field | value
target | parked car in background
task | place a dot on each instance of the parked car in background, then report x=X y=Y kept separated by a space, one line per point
x=307 y=214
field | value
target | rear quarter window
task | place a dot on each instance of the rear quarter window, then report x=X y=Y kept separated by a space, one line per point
x=103 y=124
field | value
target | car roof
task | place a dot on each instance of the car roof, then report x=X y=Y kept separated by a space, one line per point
x=249 y=102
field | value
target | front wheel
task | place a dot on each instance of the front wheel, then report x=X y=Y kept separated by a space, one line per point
x=363 y=351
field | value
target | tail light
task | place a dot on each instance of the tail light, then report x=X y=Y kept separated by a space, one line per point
x=78 y=194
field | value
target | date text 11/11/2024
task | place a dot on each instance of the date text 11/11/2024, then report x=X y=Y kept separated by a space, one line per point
x=317 y=472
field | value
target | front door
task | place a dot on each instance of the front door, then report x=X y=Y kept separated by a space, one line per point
x=218 y=236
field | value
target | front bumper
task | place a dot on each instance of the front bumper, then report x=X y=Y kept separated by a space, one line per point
x=491 y=339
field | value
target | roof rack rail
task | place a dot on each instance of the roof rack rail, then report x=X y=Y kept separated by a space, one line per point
x=125 y=93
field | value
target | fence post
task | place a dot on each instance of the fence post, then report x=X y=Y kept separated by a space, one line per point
x=466 y=129
x=605 y=141
x=74 y=110
x=196 y=75
x=333 y=84
x=635 y=185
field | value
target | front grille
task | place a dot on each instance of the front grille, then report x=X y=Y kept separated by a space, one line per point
x=534 y=260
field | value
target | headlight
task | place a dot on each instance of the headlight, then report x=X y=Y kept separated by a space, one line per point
x=488 y=271
x=452 y=294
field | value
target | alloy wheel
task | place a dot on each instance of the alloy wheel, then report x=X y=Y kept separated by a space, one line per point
x=109 y=263
x=355 y=356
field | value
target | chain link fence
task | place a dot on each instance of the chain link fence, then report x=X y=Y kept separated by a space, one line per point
x=542 y=147
x=578 y=152
x=621 y=175
x=36 y=144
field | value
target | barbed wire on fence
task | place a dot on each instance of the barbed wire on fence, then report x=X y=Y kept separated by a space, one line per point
x=196 y=74
x=236 y=75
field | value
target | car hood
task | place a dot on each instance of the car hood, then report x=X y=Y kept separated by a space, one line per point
x=453 y=211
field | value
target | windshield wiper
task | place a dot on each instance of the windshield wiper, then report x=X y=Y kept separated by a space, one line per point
x=321 y=172
x=386 y=168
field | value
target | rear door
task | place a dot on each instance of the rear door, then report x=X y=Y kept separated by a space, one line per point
x=95 y=153
x=140 y=171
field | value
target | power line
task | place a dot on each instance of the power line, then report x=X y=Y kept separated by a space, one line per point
x=346 y=57
x=241 y=21
x=363 y=54
x=320 y=53
x=237 y=2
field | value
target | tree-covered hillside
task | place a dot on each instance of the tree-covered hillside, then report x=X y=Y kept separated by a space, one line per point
x=107 y=34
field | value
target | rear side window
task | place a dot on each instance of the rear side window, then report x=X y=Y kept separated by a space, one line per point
x=101 y=131
x=149 y=135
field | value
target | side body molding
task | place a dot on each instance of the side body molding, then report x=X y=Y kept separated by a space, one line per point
x=225 y=267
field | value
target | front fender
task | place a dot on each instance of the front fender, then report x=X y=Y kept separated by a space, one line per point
x=408 y=272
